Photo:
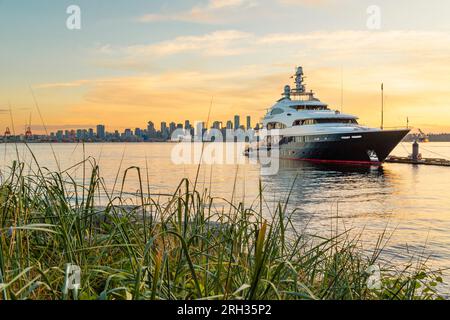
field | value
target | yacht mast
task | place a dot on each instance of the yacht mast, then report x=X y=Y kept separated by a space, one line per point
x=300 y=88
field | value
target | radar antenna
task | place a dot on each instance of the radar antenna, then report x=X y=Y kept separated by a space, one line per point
x=300 y=88
x=299 y=77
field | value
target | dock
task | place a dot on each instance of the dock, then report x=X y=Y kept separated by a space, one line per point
x=416 y=159
x=425 y=161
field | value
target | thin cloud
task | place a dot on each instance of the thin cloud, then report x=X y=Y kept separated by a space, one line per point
x=221 y=43
x=311 y=3
x=73 y=84
x=209 y=13
x=340 y=45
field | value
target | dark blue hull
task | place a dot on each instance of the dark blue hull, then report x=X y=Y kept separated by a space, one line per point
x=367 y=147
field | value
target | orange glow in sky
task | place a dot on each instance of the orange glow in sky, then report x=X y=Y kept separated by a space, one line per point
x=167 y=62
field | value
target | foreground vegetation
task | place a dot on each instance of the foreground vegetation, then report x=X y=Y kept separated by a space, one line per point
x=188 y=245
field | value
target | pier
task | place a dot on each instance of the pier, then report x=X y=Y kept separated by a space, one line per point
x=425 y=161
x=416 y=159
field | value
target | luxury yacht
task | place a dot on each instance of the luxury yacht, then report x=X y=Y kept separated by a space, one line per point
x=306 y=129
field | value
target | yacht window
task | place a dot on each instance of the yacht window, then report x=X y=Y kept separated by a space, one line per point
x=275 y=125
x=324 y=120
x=309 y=107
x=300 y=139
x=348 y=121
x=277 y=111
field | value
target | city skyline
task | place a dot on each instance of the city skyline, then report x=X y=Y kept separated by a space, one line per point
x=151 y=59
x=151 y=132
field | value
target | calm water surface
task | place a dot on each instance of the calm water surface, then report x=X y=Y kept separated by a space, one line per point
x=412 y=202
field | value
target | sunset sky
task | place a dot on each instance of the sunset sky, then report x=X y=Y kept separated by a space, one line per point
x=140 y=60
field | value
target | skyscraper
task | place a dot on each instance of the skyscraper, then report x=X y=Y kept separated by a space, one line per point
x=229 y=125
x=138 y=132
x=172 y=127
x=101 y=134
x=237 y=122
x=199 y=128
x=163 y=127
x=128 y=133
x=151 y=129
x=59 y=135
x=187 y=125
x=249 y=122
x=164 y=131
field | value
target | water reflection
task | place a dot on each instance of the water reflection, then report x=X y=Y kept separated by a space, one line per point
x=317 y=188
x=367 y=200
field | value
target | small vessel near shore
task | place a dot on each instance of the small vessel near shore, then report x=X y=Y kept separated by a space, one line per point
x=307 y=129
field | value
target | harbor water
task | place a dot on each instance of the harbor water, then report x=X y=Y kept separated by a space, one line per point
x=411 y=203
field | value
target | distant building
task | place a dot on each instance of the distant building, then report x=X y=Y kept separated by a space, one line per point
x=217 y=125
x=172 y=127
x=249 y=122
x=91 y=133
x=187 y=125
x=101 y=132
x=128 y=133
x=163 y=126
x=138 y=132
x=151 y=131
x=164 y=131
x=199 y=129
x=229 y=125
x=237 y=122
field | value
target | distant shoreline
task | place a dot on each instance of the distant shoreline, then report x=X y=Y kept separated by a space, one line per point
x=408 y=140
x=85 y=142
x=440 y=137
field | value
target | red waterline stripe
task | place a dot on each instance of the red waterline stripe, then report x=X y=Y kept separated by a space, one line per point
x=337 y=161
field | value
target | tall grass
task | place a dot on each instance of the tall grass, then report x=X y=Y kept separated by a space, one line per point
x=188 y=245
